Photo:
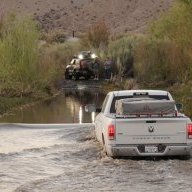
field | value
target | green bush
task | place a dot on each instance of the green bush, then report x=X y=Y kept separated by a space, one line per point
x=176 y=25
x=122 y=53
x=19 y=55
x=187 y=2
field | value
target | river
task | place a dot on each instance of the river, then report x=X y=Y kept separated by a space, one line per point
x=57 y=158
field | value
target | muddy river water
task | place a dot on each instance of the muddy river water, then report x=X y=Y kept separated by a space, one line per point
x=57 y=158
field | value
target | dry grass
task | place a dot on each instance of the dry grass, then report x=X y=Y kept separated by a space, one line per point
x=97 y=36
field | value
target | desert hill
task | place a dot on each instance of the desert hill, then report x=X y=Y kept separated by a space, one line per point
x=120 y=15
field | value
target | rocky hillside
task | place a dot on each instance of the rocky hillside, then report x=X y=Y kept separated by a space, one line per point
x=120 y=15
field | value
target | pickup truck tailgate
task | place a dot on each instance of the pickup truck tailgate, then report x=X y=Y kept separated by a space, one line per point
x=151 y=131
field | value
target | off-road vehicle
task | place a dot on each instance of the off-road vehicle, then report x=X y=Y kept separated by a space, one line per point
x=81 y=66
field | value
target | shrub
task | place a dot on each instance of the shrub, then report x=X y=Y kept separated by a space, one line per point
x=53 y=60
x=122 y=53
x=187 y=2
x=97 y=36
x=19 y=54
x=161 y=60
x=1 y=25
x=175 y=26
x=54 y=36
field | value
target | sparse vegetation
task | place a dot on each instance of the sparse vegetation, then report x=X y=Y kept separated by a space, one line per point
x=97 y=36
x=54 y=36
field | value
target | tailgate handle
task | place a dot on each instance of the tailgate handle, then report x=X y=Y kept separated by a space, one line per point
x=151 y=121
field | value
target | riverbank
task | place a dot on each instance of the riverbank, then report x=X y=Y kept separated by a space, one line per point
x=9 y=104
x=180 y=92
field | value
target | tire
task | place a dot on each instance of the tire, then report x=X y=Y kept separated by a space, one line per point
x=76 y=76
x=104 y=147
x=67 y=75
x=185 y=157
x=87 y=77
x=104 y=151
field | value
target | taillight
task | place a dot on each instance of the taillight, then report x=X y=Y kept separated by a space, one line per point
x=111 y=132
x=189 y=130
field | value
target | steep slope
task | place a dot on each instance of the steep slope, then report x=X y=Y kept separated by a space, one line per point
x=120 y=15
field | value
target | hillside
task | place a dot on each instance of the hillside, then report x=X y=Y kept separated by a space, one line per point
x=120 y=15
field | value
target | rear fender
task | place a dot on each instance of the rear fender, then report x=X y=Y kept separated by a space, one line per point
x=105 y=132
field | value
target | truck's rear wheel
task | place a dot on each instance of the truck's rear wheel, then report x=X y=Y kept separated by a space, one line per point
x=87 y=77
x=67 y=75
x=185 y=157
x=76 y=76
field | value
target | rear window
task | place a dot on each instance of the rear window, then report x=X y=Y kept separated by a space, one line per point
x=158 y=97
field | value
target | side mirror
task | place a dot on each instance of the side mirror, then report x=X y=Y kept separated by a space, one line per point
x=179 y=106
x=90 y=108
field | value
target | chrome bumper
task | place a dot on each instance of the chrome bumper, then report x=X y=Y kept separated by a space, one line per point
x=131 y=151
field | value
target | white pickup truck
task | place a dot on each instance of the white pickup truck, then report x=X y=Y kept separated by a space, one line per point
x=143 y=134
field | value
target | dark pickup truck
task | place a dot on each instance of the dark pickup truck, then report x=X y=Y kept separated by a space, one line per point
x=81 y=66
